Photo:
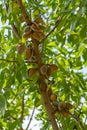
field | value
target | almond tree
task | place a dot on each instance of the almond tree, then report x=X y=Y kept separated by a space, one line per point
x=43 y=64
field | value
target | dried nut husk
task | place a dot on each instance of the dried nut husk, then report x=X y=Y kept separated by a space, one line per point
x=49 y=92
x=32 y=72
x=65 y=113
x=38 y=20
x=52 y=68
x=66 y=106
x=28 y=52
x=41 y=27
x=36 y=36
x=26 y=29
x=62 y=107
x=54 y=108
x=20 y=48
x=53 y=97
x=37 y=28
x=34 y=27
x=42 y=36
x=26 y=35
x=69 y=106
x=43 y=69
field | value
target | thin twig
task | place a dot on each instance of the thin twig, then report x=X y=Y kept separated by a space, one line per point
x=15 y=30
x=22 y=110
x=30 y=118
x=15 y=61
x=55 y=26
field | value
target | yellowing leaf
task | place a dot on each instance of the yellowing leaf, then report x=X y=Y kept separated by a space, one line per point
x=15 y=5
x=52 y=44
x=63 y=97
x=84 y=108
x=74 y=33
x=38 y=20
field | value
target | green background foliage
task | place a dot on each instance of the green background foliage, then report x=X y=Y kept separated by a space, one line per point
x=66 y=47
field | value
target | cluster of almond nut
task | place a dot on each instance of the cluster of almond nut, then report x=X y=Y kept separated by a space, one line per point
x=48 y=69
x=27 y=50
x=58 y=106
x=35 y=30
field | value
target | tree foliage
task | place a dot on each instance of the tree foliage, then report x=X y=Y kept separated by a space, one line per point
x=43 y=45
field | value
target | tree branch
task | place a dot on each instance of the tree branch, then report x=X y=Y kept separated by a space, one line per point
x=55 y=26
x=43 y=87
x=26 y=18
x=30 y=119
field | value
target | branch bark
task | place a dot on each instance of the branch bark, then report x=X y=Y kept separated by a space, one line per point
x=43 y=87
x=49 y=110
x=26 y=18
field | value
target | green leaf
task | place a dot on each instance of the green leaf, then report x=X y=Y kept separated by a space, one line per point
x=2 y=104
x=80 y=50
x=84 y=109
